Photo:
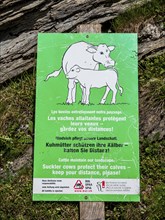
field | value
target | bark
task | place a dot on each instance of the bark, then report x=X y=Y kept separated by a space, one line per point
x=20 y=21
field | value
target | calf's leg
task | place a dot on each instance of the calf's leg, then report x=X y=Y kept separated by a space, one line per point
x=71 y=87
x=103 y=100
x=87 y=94
x=114 y=90
x=83 y=100
x=74 y=93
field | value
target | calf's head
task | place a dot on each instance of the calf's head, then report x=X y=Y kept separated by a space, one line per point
x=73 y=72
x=101 y=54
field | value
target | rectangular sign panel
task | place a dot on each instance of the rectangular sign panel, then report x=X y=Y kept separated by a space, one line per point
x=86 y=120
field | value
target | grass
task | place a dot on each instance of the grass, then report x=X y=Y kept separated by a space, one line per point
x=18 y=204
x=134 y=17
x=17 y=108
x=16 y=135
x=151 y=78
x=16 y=113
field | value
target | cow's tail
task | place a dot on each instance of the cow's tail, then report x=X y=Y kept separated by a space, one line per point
x=54 y=74
x=120 y=88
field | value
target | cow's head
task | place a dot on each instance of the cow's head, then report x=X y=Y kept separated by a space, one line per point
x=101 y=54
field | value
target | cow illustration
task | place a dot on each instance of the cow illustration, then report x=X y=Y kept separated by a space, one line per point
x=86 y=56
x=95 y=79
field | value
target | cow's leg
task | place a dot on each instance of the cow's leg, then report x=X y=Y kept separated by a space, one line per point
x=103 y=100
x=71 y=86
x=87 y=94
x=114 y=90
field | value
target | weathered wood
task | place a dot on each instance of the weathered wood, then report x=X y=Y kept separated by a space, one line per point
x=151 y=48
x=95 y=28
x=92 y=211
x=20 y=21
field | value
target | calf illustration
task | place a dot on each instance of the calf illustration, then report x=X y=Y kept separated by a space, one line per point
x=87 y=56
x=95 y=79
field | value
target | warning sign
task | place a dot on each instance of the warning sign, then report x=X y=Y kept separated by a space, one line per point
x=78 y=185
x=86 y=132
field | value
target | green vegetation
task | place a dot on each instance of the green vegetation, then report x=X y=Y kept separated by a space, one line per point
x=16 y=191
x=151 y=78
x=16 y=202
x=133 y=18
x=16 y=135
x=153 y=68
x=16 y=113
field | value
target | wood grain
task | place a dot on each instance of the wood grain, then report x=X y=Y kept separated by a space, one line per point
x=91 y=210
x=20 y=22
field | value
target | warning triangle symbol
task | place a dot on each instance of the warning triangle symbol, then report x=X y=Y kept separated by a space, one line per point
x=78 y=185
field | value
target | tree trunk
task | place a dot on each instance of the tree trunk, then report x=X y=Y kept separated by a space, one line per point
x=20 y=21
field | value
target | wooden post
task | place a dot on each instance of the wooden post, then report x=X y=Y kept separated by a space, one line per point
x=89 y=28
x=91 y=210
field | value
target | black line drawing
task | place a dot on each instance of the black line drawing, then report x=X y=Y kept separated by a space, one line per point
x=95 y=79
x=85 y=56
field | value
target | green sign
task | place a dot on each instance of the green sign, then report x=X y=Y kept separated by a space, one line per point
x=86 y=120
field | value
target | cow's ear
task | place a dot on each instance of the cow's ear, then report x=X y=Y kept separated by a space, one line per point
x=111 y=48
x=92 y=49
